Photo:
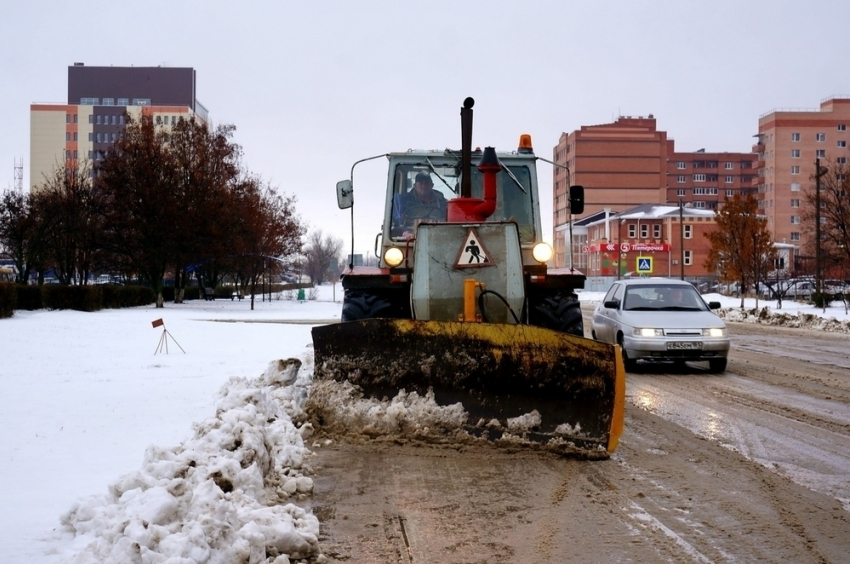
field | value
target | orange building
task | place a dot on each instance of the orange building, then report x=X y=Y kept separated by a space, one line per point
x=789 y=143
x=629 y=163
x=650 y=239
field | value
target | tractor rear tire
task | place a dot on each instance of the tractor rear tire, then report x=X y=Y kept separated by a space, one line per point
x=561 y=313
x=358 y=304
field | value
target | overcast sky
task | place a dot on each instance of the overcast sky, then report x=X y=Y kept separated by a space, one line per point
x=313 y=87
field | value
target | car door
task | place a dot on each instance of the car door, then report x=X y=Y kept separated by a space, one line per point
x=604 y=318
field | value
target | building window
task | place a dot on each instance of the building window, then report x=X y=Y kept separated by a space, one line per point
x=841 y=160
x=632 y=230
x=113 y=137
x=688 y=258
x=108 y=101
x=121 y=120
x=795 y=235
x=114 y=119
x=730 y=179
x=141 y=101
x=795 y=186
x=745 y=164
x=656 y=231
x=680 y=164
x=89 y=101
x=842 y=127
x=91 y=118
x=689 y=231
x=123 y=101
x=795 y=153
x=67 y=136
x=699 y=178
x=75 y=136
x=98 y=119
x=795 y=203
x=730 y=193
x=97 y=138
x=680 y=192
x=820 y=153
x=841 y=143
x=795 y=170
x=680 y=179
x=795 y=220
x=795 y=137
x=75 y=118
x=700 y=205
x=730 y=166
x=91 y=138
x=644 y=231
x=820 y=136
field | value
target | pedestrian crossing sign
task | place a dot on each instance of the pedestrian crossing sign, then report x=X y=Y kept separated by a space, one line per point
x=472 y=252
x=644 y=265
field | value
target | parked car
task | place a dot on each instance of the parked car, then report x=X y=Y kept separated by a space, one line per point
x=644 y=317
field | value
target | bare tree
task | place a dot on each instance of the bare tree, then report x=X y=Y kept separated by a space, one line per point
x=741 y=248
x=22 y=234
x=320 y=253
x=834 y=218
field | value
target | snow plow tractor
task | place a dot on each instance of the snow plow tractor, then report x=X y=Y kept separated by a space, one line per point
x=463 y=307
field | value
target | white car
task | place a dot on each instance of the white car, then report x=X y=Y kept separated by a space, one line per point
x=661 y=319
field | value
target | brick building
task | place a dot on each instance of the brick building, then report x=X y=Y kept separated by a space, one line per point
x=94 y=114
x=789 y=142
x=629 y=163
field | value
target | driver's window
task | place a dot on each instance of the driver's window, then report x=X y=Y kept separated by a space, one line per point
x=419 y=194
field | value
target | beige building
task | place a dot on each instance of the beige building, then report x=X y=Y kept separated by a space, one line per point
x=99 y=101
x=789 y=141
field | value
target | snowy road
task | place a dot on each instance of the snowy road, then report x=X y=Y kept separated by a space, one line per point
x=753 y=465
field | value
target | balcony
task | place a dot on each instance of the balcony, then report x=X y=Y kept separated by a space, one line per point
x=758 y=164
x=758 y=148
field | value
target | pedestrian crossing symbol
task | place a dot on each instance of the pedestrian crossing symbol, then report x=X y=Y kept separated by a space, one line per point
x=644 y=265
x=472 y=252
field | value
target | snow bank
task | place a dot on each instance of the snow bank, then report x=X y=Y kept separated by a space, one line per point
x=224 y=496
x=798 y=319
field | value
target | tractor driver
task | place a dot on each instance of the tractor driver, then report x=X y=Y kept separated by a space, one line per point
x=422 y=202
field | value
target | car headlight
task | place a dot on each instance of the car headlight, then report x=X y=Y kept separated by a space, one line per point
x=542 y=252
x=649 y=332
x=393 y=256
x=714 y=332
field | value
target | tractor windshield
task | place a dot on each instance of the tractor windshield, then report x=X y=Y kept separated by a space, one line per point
x=420 y=193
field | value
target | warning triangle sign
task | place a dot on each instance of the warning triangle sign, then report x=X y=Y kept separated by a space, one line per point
x=472 y=252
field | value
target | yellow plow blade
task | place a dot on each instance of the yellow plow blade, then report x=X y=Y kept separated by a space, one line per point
x=496 y=371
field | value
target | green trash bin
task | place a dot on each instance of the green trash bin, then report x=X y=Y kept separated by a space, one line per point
x=300 y=294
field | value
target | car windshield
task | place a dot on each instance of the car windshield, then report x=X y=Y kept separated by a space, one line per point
x=513 y=195
x=664 y=297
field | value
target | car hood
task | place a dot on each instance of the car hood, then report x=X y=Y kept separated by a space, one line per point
x=671 y=319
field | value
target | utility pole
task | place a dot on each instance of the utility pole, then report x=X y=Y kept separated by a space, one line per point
x=681 y=241
x=818 y=173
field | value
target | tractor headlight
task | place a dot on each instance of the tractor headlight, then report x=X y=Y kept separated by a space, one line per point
x=542 y=252
x=393 y=256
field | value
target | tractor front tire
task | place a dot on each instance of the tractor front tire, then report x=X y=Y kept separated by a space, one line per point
x=559 y=312
x=359 y=304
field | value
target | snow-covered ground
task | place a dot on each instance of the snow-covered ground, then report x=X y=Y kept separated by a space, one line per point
x=112 y=449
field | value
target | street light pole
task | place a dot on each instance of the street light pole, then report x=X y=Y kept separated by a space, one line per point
x=818 y=174
x=681 y=241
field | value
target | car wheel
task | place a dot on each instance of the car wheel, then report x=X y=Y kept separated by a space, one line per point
x=629 y=364
x=717 y=365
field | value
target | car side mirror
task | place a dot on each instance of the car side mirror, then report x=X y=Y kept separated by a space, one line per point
x=713 y=305
x=612 y=304
x=344 y=194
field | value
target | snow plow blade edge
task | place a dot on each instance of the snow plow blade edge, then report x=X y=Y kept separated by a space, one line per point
x=496 y=371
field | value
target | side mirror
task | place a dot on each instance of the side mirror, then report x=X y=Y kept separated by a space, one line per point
x=612 y=304
x=344 y=194
x=713 y=305
x=576 y=200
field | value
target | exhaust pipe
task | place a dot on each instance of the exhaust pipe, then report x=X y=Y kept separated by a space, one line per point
x=467 y=208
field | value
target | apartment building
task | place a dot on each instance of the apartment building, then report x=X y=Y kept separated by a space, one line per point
x=789 y=142
x=629 y=163
x=703 y=180
x=98 y=101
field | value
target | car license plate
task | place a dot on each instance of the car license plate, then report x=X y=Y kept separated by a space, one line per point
x=684 y=345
